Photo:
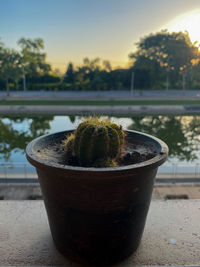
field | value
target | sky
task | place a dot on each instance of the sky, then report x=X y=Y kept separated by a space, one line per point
x=75 y=29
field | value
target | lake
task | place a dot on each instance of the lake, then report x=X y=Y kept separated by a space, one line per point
x=181 y=133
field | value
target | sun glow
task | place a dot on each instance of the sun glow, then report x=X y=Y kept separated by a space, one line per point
x=189 y=22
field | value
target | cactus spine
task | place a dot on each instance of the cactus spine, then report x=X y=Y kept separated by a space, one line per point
x=96 y=143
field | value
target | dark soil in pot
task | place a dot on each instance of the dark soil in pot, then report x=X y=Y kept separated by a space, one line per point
x=97 y=215
x=132 y=153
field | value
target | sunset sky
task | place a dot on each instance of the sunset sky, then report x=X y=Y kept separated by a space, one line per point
x=109 y=29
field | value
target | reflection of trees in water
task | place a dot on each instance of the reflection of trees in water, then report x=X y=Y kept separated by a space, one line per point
x=14 y=140
x=181 y=133
x=72 y=118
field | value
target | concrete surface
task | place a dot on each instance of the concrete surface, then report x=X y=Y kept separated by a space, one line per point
x=88 y=110
x=171 y=236
x=31 y=191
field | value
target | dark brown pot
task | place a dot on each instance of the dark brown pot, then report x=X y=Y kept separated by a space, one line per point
x=96 y=215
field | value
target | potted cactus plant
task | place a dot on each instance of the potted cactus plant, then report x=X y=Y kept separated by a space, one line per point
x=97 y=187
x=95 y=143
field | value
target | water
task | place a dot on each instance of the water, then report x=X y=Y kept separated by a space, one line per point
x=181 y=133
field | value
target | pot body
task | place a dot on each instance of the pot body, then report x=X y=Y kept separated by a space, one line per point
x=97 y=215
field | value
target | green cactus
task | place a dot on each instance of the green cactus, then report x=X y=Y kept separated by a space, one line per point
x=96 y=143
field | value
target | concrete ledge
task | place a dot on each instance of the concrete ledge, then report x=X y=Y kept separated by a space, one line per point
x=171 y=237
x=84 y=110
x=29 y=189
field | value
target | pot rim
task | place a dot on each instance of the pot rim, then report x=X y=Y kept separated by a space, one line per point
x=151 y=163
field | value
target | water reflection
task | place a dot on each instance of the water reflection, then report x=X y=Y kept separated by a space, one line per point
x=181 y=133
x=15 y=140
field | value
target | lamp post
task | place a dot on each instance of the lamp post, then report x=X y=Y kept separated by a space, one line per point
x=132 y=82
x=24 y=78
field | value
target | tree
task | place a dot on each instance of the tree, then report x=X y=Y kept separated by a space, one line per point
x=10 y=66
x=171 y=53
x=194 y=77
x=91 y=65
x=33 y=58
x=87 y=75
x=69 y=76
x=107 y=65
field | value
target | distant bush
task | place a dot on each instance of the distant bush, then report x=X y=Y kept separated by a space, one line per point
x=195 y=85
x=46 y=79
x=43 y=86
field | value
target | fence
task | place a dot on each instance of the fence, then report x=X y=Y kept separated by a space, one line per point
x=17 y=170
x=173 y=170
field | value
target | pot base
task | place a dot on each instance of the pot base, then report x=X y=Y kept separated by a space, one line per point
x=100 y=258
x=90 y=237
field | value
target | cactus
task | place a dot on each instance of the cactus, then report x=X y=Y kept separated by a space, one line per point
x=96 y=143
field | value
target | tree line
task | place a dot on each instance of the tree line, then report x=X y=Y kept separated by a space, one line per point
x=161 y=61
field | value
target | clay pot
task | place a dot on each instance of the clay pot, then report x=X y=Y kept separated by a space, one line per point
x=96 y=215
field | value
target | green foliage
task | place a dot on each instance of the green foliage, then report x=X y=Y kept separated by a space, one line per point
x=69 y=76
x=95 y=143
x=44 y=86
x=9 y=66
x=94 y=75
x=164 y=55
x=33 y=57
x=44 y=79
x=172 y=51
x=31 y=61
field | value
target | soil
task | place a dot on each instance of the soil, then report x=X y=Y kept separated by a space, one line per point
x=136 y=153
x=54 y=152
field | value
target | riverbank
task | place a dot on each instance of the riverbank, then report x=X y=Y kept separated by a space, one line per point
x=103 y=95
x=99 y=109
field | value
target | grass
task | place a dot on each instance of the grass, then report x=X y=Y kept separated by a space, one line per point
x=99 y=102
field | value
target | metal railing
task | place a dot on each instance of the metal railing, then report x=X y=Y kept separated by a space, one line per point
x=173 y=170
x=17 y=170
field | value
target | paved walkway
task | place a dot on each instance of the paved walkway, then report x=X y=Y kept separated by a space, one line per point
x=104 y=95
